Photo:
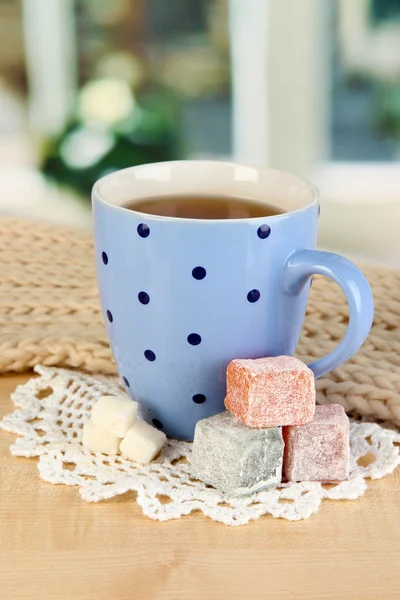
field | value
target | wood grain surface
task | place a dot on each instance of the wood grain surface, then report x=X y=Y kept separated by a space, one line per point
x=55 y=546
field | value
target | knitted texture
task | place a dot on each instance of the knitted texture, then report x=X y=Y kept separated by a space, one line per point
x=50 y=314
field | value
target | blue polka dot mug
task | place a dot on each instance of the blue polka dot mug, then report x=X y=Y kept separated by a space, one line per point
x=182 y=297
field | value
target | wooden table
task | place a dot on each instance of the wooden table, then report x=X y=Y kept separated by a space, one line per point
x=55 y=546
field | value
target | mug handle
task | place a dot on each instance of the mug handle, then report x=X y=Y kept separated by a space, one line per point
x=300 y=265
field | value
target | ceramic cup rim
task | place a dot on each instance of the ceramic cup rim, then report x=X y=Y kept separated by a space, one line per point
x=292 y=183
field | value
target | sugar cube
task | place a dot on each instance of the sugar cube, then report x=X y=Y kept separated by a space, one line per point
x=98 y=440
x=115 y=414
x=234 y=458
x=318 y=451
x=269 y=392
x=142 y=443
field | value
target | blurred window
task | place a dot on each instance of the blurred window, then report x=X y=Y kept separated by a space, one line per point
x=383 y=10
x=180 y=44
x=12 y=68
x=365 y=123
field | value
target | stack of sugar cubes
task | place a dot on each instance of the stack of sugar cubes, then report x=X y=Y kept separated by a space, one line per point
x=114 y=427
x=272 y=429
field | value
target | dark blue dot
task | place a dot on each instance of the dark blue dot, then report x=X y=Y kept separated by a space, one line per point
x=253 y=296
x=126 y=382
x=199 y=398
x=144 y=298
x=157 y=424
x=109 y=316
x=149 y=354
x=143 y=230
x=194 y=339
x=199 y=273
x=263 y=231
x=104 y=258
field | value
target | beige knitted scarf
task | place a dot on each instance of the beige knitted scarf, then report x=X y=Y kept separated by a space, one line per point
x=50 y=314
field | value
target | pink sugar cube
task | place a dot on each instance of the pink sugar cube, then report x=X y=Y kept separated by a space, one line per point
x=269 y=392
x=318 y=451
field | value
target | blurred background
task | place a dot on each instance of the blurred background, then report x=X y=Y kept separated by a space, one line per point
x=90 y=86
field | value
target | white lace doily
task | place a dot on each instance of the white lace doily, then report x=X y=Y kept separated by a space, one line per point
x=52 y=408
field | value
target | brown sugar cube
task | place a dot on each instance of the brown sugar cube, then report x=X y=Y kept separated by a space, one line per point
x=269 y=392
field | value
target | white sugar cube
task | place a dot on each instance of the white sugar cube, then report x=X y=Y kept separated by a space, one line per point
x=98 y=440
x=115 y=414
x=143 y=442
